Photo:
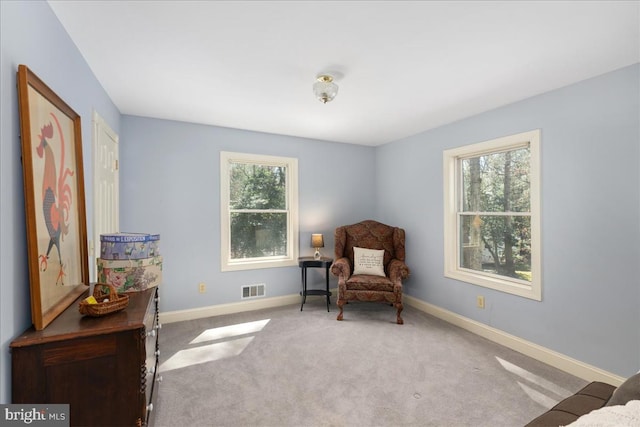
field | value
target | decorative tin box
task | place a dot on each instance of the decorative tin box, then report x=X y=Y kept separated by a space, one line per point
x=131 y=275
x=129 y=245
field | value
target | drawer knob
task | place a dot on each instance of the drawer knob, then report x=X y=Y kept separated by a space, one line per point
x=150 y=407
x=151 y=333
x=159 y=379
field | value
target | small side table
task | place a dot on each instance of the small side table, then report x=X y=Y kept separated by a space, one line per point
x=309 y=261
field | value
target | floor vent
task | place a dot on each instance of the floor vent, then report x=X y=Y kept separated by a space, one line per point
x=253 y=291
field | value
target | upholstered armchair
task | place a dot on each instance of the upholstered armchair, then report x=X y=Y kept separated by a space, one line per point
x=371 y=274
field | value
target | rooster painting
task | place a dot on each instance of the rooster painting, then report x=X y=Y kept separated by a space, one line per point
x=56 y=194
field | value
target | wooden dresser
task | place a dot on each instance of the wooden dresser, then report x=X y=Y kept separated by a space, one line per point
x=104 y=368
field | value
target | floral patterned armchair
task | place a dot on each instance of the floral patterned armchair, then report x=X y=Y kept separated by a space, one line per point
x=370 y=234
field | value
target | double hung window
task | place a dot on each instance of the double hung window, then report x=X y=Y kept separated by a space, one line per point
x=492 y=214
x=259 y=211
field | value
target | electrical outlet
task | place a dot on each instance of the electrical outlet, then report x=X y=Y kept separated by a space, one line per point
x=202 y=288
x=480 y=301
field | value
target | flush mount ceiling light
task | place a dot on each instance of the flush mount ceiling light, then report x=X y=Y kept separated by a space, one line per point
x=325 y=89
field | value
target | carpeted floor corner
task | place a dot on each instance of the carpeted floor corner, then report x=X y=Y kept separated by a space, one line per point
x=284 y=367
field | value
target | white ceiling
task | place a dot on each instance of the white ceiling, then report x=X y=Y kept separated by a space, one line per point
x=402 y=66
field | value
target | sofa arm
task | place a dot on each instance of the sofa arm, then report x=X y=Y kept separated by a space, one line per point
x=594 y=396
x=341 y=268
x=398 y=270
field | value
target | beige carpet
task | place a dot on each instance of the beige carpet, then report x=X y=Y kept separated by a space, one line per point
x=284 y=367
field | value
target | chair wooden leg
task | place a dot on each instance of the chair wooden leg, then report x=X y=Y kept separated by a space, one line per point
x=339 y=303
x=399 y=320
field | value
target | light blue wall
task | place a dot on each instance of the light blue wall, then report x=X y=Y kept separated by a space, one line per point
x=31 y=34
x=590 y=219
x=170 y=184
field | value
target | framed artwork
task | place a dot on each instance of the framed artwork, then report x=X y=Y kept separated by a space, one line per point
x=54 y=199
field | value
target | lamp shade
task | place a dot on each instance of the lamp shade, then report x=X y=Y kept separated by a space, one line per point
x=317 y=241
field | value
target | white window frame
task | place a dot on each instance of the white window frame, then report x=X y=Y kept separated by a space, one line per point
x=452 y=194
x=291 y=165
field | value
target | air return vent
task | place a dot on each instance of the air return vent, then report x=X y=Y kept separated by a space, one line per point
x=253 y=291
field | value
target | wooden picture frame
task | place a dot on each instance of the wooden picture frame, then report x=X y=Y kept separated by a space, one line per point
x=54 y=199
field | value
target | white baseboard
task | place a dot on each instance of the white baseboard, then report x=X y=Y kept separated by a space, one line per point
x=235 y=307
x=543 y=354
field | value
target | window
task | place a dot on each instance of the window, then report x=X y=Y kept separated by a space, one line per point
x=259 y=211
x=492 y=214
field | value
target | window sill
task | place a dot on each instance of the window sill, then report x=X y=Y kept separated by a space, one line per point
x=498 y=283
x=255 y=265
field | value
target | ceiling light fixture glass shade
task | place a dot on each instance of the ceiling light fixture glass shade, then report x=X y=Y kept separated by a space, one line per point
x=325 y=89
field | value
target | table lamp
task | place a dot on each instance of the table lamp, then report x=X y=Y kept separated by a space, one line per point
x=317 y=242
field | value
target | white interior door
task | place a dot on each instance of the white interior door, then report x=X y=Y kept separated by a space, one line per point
x=105 y=187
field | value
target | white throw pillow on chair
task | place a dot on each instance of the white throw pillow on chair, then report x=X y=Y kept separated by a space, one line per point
x=368 y=261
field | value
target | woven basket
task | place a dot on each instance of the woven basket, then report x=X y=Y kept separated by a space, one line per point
x=116 y=301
